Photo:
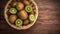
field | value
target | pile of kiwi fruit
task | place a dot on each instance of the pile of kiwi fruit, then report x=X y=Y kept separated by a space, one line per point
x=21 y=12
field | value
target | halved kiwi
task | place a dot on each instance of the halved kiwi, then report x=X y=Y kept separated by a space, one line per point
x=18 y=22
x=28 y=8
x=12 y=10
x=31 y=17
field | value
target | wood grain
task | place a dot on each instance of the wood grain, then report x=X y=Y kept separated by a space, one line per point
x=48 y=21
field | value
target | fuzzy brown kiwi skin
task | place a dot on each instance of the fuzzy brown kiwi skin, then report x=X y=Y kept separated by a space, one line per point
x=22 y=14
x=12 y=18
x=26 y=2
x=14 y=4
x=26 y=22
x=20 y=6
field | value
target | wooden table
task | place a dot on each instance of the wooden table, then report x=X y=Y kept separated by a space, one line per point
x=48 y=21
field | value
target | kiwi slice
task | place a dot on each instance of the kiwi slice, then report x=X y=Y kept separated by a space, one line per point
x=28 y=8
x=31 y=17
x=18 y=22
x=12 y=10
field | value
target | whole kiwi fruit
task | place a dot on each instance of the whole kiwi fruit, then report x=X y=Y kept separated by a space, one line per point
x=22 y=14
x=20 y=6
x=14 y=4
x=12 y=18
x=26 y=22
x=26 y=2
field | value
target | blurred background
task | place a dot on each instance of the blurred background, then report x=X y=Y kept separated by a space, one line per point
x=48 y=21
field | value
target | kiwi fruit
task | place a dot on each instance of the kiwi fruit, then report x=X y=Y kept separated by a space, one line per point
x=20 y=6
x=12 y=10
x=26 y=2
x=12 y=18
x=26 y=22
x=31 y=17
x=28 y=8
x=14 y=4
x=22 y=14
x=18 y=22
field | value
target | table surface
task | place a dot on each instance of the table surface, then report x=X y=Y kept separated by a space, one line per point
x=48 y=21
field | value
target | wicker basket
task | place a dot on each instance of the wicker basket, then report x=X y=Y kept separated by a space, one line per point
x=21 y=27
